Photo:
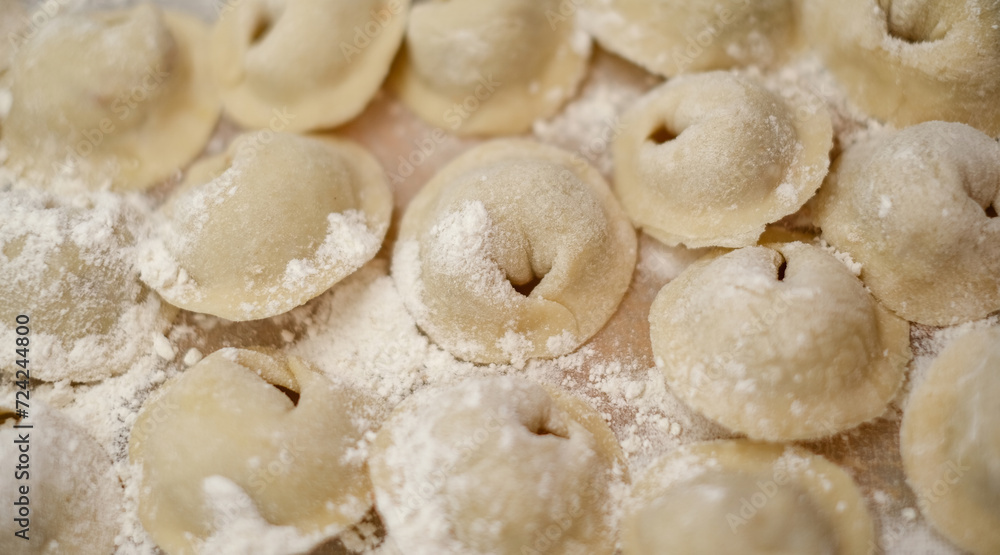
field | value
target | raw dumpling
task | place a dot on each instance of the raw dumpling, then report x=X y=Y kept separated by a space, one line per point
x=950 y=440
x=910 y=61
x=514 y=250
x=74 y=498
x=296 y=65
x=69 y=266
x=275 y=221
x=114 y=97
x=489 y=67
x=265 y=425
x=747 y=498
x=710 y=159
x=497 y=466
x=669 y=37
x=917 y=210
x=780 y=342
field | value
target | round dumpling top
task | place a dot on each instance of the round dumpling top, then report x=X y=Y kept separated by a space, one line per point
x=748 y=498
x=489 y=67
x=950 y=440
x=910 y=61
x=74 y=498
x=514 y=250
x=780 y=342
x=69 y=267
x=496 y=466
x=275 y=221
x=115 y=97
x=252 y=432
x=670 y=37
x=710 y=159
x=296 y=65
x=917 y=209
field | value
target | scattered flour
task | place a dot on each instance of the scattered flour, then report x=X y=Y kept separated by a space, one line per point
x=854 y=267
x=362 y=331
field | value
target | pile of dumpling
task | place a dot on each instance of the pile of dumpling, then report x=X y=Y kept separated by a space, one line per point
x=786 y=329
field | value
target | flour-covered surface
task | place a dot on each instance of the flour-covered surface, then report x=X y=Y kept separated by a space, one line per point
x=522 y=214
x=362 y=330
x=70 y=264
x=273 y=223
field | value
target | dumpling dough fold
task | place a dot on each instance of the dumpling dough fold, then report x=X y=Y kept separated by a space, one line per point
x=316 y=62
x=710 y=159
x=489 y=67
x=911 y=61
x=272 y=223
x=514 y=250
x=258 y=421
x=780 y=342
x=917 y=210
x=671 y=37
x=497 y=466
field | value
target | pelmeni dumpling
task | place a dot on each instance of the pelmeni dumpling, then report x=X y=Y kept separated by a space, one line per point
x=669 y=37
x=710 y=159
x=910 y=61
x=296 y=65
x=747 y=498
x=917 y=209
x=69 y=266
x=779 y=342
x=489 y=67
x=514 y=250
x=950 y=440
x=74 y=496
x=497 y=466
x=265 y=425
x=115 y=97
x=275 y=221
